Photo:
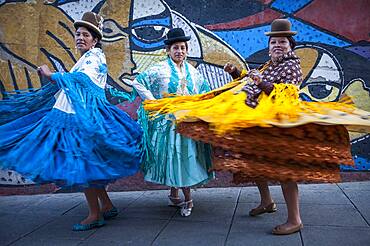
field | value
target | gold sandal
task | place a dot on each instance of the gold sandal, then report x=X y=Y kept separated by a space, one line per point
x=271 y=208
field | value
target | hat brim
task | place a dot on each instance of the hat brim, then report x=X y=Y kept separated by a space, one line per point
x=86 y=24
x=177 y=39
x=281 y=34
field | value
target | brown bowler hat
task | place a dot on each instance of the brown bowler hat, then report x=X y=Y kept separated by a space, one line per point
x=281 y=28
x=92 y=21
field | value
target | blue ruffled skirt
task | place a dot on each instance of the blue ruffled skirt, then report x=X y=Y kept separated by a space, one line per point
x=95 y=145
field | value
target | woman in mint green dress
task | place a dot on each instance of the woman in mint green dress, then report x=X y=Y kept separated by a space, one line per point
x=172 y=159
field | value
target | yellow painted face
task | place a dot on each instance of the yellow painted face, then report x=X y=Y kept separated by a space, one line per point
x=324 y=79
x=322 y=76
x=133 y=41
x=33 y=34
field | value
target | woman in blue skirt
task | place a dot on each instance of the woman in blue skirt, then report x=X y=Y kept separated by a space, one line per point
x=67 y=132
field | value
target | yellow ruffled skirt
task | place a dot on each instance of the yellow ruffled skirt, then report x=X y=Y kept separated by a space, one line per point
x=225 y=110
x=282 y=139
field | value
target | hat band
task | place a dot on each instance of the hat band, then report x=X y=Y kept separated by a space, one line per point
x=89 y=24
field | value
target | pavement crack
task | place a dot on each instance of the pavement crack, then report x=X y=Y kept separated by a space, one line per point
x=232 y=218
x=65 y=212
x=164 y=227
x=301 y=237
x=35 y=229
x=354 y=205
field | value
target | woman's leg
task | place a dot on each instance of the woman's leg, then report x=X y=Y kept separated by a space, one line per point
x=264 y=190
x=107 y=208
x=266 y=205
x=105 y=202
x=175 y=200
x=293 y=224
x=188 y=203
x=174 y=192
x=187 y=193
x=93 y=204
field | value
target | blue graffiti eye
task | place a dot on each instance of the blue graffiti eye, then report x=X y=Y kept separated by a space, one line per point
x=150 y=34
x=148 y=38
x=305 y=97
x=107 y=30
x=320 y=91
x=113 y=31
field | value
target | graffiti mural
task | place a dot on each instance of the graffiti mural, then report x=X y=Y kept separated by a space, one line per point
x=335 y=49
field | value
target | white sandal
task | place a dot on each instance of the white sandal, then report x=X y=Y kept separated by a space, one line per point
x=171 y=202
x=185 y=209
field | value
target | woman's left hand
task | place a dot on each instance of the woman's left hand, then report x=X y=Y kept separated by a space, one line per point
x=44 y=71
x=255 y=75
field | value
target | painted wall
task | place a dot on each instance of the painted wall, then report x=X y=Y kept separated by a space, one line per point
x=333 y=38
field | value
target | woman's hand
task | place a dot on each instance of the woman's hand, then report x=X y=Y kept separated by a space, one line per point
x=44 y=71
x=255 y=75
x=229 y=67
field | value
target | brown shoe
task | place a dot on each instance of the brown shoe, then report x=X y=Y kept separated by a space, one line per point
x=279 y=231
x=271 y=208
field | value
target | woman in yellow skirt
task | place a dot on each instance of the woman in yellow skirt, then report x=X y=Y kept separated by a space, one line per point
x=267 y=133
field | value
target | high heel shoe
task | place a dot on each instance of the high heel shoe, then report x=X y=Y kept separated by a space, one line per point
x=175 y=201
x=187 y=208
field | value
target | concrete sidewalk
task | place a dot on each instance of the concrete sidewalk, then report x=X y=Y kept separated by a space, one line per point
x=333 y=214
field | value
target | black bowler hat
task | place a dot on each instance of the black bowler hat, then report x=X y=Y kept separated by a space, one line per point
x=176 y=35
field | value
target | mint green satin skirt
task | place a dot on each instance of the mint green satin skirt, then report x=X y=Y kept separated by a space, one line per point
x=177 y=161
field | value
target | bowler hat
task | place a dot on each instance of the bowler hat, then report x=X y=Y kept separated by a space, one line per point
x=176 y=35
x=281 y=28
x=92 y=21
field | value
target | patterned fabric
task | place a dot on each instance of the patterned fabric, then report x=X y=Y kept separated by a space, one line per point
x=165 y=78
x=172 y=159
x=94 y=65
x=286 y=69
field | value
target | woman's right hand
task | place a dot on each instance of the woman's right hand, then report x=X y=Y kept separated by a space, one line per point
x=229 y=67
x=44 y=71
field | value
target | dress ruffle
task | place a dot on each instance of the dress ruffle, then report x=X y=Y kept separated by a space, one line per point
x=282 y=139
x=224 y=110
x=96 y=144
x=18 y=105
x=170 y=158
